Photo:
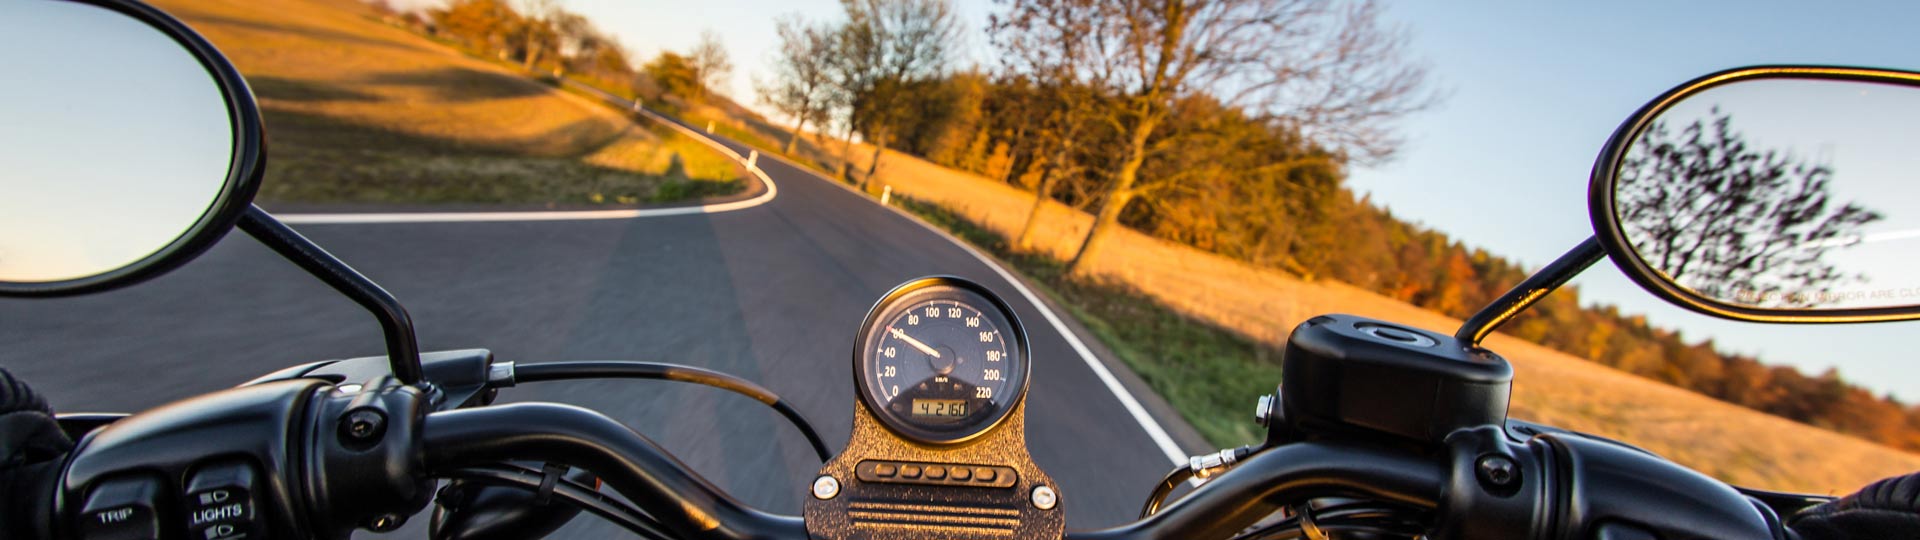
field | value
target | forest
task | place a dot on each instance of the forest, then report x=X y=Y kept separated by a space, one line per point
x=1226 y=125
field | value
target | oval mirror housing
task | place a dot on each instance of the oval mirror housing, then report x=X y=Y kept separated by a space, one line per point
x=1776 y=194
x=129 y=145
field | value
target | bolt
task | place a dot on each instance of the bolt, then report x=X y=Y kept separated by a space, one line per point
x=385 y=522
x=362 y=425
x=1498 y=471
x=1263 y=412
x=1044 y=498
x=825 y=487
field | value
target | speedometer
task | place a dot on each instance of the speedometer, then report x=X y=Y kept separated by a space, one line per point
x=940 y=360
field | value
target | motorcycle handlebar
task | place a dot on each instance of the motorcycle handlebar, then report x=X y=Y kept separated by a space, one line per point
x=691 y=507
x=685 y=503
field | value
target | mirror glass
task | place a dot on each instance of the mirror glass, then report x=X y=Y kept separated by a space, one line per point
x=1780 y=194
x=114 y=141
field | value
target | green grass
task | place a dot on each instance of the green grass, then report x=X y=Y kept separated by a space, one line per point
x=1206 y=373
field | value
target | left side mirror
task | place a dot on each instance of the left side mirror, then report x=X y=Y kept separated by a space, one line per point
x=1777 y=194
x=128 y=145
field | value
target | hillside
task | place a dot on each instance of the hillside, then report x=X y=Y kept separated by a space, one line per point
x=359 y=112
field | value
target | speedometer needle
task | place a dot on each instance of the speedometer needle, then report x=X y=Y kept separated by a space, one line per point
x=914 y=342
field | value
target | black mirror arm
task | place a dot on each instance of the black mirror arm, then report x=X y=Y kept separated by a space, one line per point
x=403 y=350
x=1530 y=291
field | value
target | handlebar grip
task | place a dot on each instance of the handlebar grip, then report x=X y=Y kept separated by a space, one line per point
x=32 y=448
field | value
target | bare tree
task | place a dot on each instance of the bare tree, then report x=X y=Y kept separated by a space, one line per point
x=1329 y=71
x=1043 y=42
x=885 y=47
x=802 y=84
x=1731 y=221
x=711 y=66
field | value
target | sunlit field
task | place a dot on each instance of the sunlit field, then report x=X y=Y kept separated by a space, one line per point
x=360 y=112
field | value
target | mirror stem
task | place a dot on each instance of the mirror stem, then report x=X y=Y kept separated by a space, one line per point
x=403 y=350
x=1529 y=292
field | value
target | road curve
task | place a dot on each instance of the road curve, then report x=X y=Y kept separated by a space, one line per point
x=772 y=293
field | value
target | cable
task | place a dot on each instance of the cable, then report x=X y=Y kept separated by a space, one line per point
x=1365 y=517
x=610 y=369
x=587 y=499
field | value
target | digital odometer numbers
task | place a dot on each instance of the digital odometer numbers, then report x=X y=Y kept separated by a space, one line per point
x=941 y=364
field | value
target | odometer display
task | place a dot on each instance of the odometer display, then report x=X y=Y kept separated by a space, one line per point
x=941 y=360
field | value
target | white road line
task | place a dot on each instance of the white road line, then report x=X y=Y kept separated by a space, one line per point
x=1127 y=401
x=457 y=217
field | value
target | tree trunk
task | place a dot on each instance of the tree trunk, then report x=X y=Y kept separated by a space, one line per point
x=795 y=136
x=1041 y=194
x=533 y=57
x=879 y=149
x=846 y=154
x=1118 y=196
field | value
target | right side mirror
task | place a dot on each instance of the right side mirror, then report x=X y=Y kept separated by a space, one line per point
x=1776 y=194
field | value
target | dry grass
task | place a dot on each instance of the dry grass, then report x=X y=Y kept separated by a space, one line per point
x=358 y=111
x=1732 y=443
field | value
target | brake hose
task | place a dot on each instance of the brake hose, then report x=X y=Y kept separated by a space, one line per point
x=617 y=369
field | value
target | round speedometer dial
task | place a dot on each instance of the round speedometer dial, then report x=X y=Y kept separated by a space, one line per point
x=941 y=360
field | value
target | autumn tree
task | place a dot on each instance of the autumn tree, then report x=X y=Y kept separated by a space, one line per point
x=674 y=74
x=481 y=25
x=710 y=63
x=802 y=87
x=1732 y=221
x=1330 y=71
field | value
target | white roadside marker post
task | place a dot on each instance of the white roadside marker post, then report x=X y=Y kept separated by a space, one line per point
x=709 y=127
x=636 y=104
x=753 y=160
x=886 y=192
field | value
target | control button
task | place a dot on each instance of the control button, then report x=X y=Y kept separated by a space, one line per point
x=936 y=472
x=909 y=471
x=885 y=470
x=121 y=509
x=983 y=474
x=221 y=503
x=962 y=473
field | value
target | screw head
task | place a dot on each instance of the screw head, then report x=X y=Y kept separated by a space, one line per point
x=1497 y=471
x=1044 y=498
x=361 y=425
x=826 y=487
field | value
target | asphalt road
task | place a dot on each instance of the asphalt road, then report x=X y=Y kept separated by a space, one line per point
x=772 y=293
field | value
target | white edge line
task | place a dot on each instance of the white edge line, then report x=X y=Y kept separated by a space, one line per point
x=578 y=215
x=1132 y=405
x=1127 y=401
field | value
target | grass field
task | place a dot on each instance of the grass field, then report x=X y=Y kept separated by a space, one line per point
x=359 y=112
x=1204 y=331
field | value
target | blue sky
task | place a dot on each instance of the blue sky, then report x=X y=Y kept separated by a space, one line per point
x=1534 y=90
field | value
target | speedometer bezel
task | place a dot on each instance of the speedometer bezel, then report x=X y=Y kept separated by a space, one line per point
x=1020 y=374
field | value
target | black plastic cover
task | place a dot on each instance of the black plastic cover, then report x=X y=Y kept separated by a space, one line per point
x=1350 y=375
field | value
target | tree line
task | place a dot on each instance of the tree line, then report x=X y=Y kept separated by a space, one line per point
x=1227 y=125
